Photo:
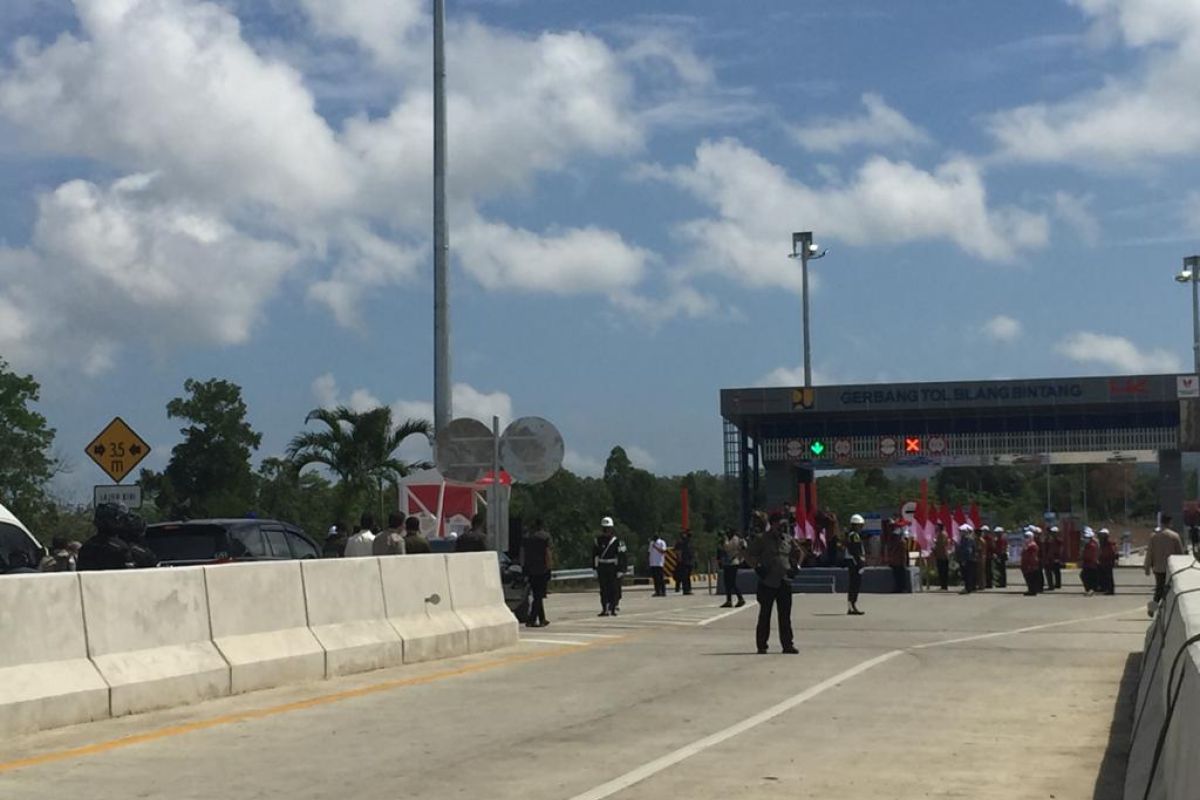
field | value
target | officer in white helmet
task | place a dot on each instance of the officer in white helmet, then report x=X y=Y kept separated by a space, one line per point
x=609 y=561
x=853 y=562
x=967 y=553
x=1031 y=563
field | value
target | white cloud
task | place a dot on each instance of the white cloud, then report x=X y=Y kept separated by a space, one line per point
x=381 y=27
x=1002 y=328
x=580 y=464
x=885 y=202
x=467 y=402
x=1116 y=353
x=640 y=457
x=1076 y=212
x=1151 y=113
x=325 y=390
x=794 y=376
x=880 y=126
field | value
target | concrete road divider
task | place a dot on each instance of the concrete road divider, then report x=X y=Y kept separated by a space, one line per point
x=148 y=634
x=416 y=595
x=46 y=679
x=1168 y=698
x=344 y=598
x=260 y=625
x=478 y=599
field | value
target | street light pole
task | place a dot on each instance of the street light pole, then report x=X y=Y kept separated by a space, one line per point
x=1192 y=264
x=441 y=240
x=804 y=249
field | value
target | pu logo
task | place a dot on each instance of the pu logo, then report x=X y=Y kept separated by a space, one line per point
x=803 y=398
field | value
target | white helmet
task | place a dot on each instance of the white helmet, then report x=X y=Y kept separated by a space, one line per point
x=1088 y=533
x=857 y=519
x=966 y=526
x=998 y=529
x=1028 y=533
x=907 y=533
x=985 y=528
x=606 y=522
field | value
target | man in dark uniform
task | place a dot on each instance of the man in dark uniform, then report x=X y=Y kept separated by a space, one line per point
x=965 y=552
x=132 y=529
x=608 y=559
x=1000 y=556
x=335 y=541
x=106 y=550
x=896 y=552
x=774 y=555
x=854 y=561
x=537 y=560
x=414 y=542
x=474 y=540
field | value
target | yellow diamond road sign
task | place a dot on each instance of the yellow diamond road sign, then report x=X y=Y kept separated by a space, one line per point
x=118 y=450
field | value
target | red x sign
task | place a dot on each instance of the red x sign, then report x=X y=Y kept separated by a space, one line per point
x=912 y=444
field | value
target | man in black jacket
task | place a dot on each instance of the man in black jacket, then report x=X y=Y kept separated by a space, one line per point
x=106 y=550
x=609 y=561
x=774 y=555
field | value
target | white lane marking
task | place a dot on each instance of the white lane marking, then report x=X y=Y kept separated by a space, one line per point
x=711 y=620
x=656 y=766
x=687 y=751
x=1015 y=631
x=556 y=641
x=593 y=635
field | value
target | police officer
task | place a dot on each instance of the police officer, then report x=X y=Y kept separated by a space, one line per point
x=1000 y=556
x=132 y=529
x=608 y=559
x=853 y=562
x=1054 y=557
x=965 y=552
x=1031 y=564
x=106 y=550
x=1089 y=563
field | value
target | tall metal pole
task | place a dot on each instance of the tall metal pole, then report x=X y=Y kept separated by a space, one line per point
x=1195 y=266
x=441 y=242
x=804 y=291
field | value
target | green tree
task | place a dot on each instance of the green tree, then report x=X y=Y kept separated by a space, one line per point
x=359 y=447
x=26 y=463
x=209 y=474
x=306 y=500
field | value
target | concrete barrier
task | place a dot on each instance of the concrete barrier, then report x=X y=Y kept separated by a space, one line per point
x=46 y=679
x=344 y=598
x=260 y=624
x=478 y=598
x=1177 y=773
x=416 y=597
x=148 y=634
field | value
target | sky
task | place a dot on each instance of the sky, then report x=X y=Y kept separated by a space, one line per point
x=242 y=189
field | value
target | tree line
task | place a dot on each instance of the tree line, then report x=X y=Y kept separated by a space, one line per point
x=344 y=462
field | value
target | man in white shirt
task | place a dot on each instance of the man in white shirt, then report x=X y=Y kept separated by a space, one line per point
x=658 y=555
x=362 y=543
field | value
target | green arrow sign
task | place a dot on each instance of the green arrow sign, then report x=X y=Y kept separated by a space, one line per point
x=817 y=448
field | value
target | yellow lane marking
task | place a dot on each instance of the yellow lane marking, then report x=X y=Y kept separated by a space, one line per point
x=286 y=708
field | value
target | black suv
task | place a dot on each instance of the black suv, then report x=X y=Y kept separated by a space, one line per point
x=216 y=541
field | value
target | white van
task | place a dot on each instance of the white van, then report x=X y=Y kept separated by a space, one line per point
x=17 y=544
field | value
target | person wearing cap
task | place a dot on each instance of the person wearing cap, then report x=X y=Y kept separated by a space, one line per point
x=854 y=560
x=335 y=541
x=1000 y=557
x=965 y=553
x=60 y=559
x=1108 y=563
x=1089 y=562
x=1053 y=558
x=1164 y=543
x=1031 y=565
x=608 y=559
x=984 y=575
x=106 y=550
x=941 y=556
x=774 y=555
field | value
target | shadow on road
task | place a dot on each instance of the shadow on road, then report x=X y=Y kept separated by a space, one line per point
x=1110 y=783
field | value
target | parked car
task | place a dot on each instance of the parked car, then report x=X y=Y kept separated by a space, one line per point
x=216 y=541
x=18 y=547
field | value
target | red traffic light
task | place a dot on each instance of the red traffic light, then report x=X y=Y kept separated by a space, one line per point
x=912 y=444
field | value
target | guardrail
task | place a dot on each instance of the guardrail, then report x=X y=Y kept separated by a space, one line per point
x=572 y=574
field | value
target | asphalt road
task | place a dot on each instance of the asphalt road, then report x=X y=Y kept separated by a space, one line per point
x=927 y=696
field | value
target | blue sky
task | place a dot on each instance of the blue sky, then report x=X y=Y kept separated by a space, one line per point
x=241 y=189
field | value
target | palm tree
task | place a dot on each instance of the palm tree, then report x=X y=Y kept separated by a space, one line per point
x=359 y=447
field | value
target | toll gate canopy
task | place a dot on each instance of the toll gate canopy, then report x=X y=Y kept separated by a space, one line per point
x=781 y=435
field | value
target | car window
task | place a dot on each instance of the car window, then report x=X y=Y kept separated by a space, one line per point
x=252 y=540
x=182 y=543
x=301 y=547
x=277 y=543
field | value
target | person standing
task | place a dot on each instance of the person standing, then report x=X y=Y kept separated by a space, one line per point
x=1031 y=564
x=657 y=558
x=1089 y=562
x=964 y=553
x=537 y=561
x=1000 y=556
x=1164 y=543
x=106 y=550
x=474 y=540
x=362 y=543
x=941 y=556
x=732 y=551
x=415 y=543
x=1053 y=557
x=335 y=541
x=1108 y=563
x=985 y=557
x=896 y=554
x=608 y=559
x=390 y=542
x=774 y=554
x=686 y=563
x=854 y=560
